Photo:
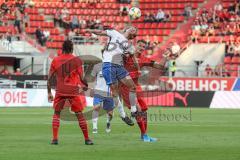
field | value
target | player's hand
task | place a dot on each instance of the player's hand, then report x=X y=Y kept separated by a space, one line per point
x=50 y=97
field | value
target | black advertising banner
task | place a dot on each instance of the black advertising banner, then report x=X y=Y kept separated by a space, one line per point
x=179 y=99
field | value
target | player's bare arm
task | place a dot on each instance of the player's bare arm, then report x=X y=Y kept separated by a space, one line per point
x=97 y=32
x=50 y=96
x=161 y=64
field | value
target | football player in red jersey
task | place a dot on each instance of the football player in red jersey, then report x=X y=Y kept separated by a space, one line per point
x=132 y=65
x=66 y=76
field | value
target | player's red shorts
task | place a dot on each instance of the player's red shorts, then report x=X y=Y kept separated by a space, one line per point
x=124 y=91
x=77 y=103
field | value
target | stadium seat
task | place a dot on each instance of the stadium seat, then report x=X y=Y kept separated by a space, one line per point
x=227 y=60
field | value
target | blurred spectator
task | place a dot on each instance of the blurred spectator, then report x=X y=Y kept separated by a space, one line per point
x=40 y=36
x=218 y=7
x=71 y=34
x=4 y=7
x=188 y=11
x=230 y=49
x=64 y=14
x=203 y=28
x=175 y=49
x=46 y=34
x=74 y=23
x=168 y=16
x=18 y=18
x=31 y=3
x=208 y=71
x=160 y=16
x=195 y=31
x=237 y=49
x=149 y=17
x=57 y=17
x=172 y=68
x=5 y=71
x=1 y=19
x=25 y=20
x=219 y=70
x=210 y=31
x=18 y=72
x=124 y=10
x=83 y=23
x=98 y=24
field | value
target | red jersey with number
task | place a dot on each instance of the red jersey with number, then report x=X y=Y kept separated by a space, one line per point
x=66 y=75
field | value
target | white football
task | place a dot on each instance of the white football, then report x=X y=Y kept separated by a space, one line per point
x=134 y=13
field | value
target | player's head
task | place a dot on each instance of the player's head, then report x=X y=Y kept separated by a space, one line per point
x=67 y=47
x=130 y=32
x=141 y=46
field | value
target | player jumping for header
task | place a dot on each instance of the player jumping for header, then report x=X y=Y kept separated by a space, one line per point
x=112 y=68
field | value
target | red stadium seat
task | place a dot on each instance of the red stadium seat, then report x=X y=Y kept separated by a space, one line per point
x=235 y=60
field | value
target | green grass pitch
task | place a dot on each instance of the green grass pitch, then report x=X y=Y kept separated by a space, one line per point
x=205 y=134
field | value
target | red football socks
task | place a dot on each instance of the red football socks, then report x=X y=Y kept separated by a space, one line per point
x=55 y=126
x=83 y=125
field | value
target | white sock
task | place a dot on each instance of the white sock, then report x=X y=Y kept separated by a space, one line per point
x=109 y=118
x=121 y=109
x=95 y=119
x=132 y=99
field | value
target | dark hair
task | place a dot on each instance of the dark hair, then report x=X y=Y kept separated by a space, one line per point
x=142 y=41
x=67 y=47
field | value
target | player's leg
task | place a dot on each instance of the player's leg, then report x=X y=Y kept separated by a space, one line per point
x=97 y=102
x=109 y=119
x=132 y=92
x=95 y=118
x=55 y=127
x=143 y=120
x=83 y=125
x=108 y=106
x=58 y=105
x=117 y=102
x=77 y=106
x=112 y=74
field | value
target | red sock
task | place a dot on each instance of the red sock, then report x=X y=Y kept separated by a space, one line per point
x=140 y=122
x=83 y=125
x=55 y=126
x=145 y=119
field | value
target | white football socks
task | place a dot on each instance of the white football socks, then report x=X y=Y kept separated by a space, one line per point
x=95 y=119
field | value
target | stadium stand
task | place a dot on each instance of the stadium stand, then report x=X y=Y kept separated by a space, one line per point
x=55 y=18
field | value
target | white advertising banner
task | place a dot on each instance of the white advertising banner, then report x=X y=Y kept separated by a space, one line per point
x=226 y=99
x=26 y=98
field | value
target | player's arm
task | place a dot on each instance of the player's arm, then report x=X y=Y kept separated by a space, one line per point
x=50 y=78
x=135 y=61
x=161 y=64
x=97 y=32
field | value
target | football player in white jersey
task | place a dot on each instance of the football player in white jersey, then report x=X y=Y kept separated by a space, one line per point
x=112 y=68
x=103 y=99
